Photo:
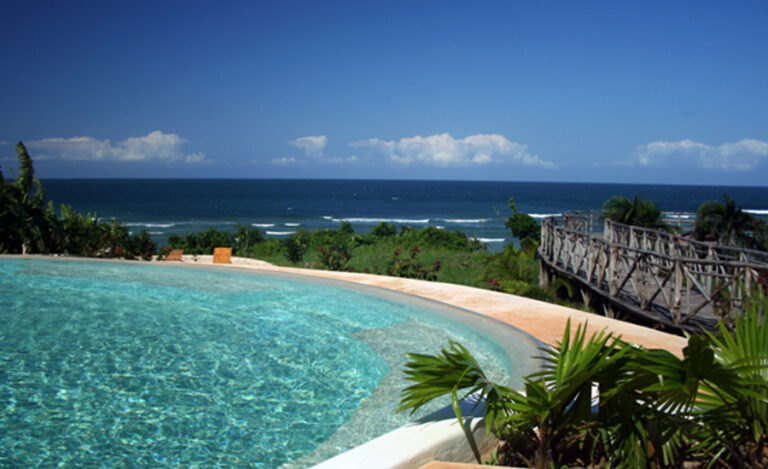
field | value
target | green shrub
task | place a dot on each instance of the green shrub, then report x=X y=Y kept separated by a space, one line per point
x=522 y=225
x=244 y=239
x=383 y=230
x=434 y=237
x=267 y=249
x=409 y=268
x=334 y=256
x=599 y=401
x=296 y=246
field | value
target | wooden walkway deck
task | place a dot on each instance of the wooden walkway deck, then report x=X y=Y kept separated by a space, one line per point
x=655 y=275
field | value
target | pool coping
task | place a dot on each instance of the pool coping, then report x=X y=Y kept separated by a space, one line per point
x=439 y=436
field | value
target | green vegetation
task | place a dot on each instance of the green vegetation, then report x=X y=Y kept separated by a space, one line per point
x=428 y=253
x=30 y=225
x=601 y=402
x=522 y=225
x=728 y=224
x=637 y=212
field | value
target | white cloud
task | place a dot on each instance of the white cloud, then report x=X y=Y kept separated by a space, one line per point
x=284 y=160
x=743 y=155
x=198 y=157
x=313 y=151
x=156 y=146
x=444 y=150
x=313 y=146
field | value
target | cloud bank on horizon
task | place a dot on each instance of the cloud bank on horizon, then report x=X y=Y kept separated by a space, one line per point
x=441 y=150
x=445 y=150
x=432 y=151
x=744 y=155
x=155 y=146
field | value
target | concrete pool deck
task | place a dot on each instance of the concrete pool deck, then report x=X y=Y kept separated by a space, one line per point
x=545 y=321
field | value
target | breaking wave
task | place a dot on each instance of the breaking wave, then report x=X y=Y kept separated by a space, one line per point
x=422 y=221
x=151 y=225
x=465 y=220
x=491 y=240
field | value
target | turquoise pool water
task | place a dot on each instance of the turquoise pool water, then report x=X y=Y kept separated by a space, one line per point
x=106 y=364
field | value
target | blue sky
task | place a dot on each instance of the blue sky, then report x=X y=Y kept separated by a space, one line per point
x=667 y=92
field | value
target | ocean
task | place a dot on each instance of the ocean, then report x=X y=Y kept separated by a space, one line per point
x=280 y=207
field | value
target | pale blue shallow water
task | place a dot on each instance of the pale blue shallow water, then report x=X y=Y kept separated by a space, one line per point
x=108 y=364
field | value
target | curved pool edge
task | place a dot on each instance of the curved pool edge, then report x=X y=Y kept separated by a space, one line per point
x=543 y=321
x=438 y=436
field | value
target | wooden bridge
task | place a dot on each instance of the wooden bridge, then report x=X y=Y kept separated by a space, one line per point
x=655 y=275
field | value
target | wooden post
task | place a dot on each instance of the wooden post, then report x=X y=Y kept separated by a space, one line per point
x=543 y=276
x=613 y=259
x=586 y=296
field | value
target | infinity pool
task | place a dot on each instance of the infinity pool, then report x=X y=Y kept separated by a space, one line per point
x=137 y=365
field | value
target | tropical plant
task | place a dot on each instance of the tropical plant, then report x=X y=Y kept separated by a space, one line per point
x=516 y=271
x=27 y=224
x=334 y=256
x=637 y=212
x=454 y=369
x=738 y=420
x=549 y=421
x=78 y=233
x=244 y=239
x=203 y=242
x=410 y=268
x=601 y=401
x=515 y=264
x=522 y=225
x=728 y=224
x=296 y=246
x=383 y=230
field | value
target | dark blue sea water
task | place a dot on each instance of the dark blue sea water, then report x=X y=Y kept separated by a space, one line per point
x=279 y=207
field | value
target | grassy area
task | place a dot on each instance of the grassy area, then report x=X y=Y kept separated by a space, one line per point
x=426 y=253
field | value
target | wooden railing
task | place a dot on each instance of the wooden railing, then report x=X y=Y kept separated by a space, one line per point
x=662 y=276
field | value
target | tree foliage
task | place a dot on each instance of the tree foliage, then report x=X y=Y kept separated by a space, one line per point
x=30 y=225
x=410 y=267
x=728 y=224
x=27 y=223
x=637 y=212
x=523 y=226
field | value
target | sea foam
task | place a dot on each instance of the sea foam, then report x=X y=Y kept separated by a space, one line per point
x=151 y=225
x=465 y=220
x=382 y=220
